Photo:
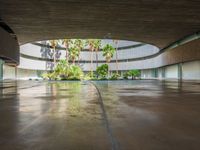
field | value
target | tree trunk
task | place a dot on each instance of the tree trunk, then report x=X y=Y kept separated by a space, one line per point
x=96 y=59
x=116 y=61
x=54 y=59
x=116 y=42
x=67 y=53
x=66 y=46
x=91 y=64
x=78 y=59
x=108 y=69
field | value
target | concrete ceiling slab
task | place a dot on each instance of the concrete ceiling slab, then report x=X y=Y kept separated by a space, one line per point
x=156 y=22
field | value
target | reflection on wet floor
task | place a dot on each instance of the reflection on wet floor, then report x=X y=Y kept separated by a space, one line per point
x=67 y=115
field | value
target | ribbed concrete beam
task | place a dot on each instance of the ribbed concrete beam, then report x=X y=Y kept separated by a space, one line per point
x=159 y=22
x=9 y=48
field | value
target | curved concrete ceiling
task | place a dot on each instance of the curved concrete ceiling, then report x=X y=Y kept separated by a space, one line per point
x=156 y=22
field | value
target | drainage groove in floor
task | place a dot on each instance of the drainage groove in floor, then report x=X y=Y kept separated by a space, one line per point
x=115 y=145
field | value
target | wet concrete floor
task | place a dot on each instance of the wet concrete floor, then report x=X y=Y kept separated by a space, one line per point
x=103 y=115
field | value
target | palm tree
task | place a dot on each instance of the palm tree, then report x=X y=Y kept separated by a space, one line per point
x=97 y=45
x=62 y=68
x=116 y=47
x=80 y=44
x=53 y=44
x=91 y=44
x=66 y=42
x=73 y=53
x=134 y=73
x=108 y=52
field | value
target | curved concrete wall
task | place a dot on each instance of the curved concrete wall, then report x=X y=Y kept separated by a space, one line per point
x=166 y=65
x=183 y=53
x=33 y=64
x=124 y=54
x=9 y=72
x=9 y=48
x=191 y=69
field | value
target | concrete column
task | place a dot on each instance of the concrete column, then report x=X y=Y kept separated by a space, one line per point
x=163 y=72
x=15 y=72
x=180 y=72
x=156 y=73
x=153 y=73
x=9 y=48
x=1 y=69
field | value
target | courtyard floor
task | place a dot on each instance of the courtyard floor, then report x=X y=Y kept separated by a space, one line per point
x=101 y=115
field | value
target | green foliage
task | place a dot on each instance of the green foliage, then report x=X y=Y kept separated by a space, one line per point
x=75 y=46
x=45 y=75
x=73 y=53
x=49 y=76
x=102 y=71
x=39 y=73
x=87 y=76
x=97 y=44
x=75 y=73
x=131 y=73
x=90 y=76
x=114 y=76
x=53 y=44
x=66 y=42
x=94 y=44
x=91 y=44
x=134 y=73
x=79 y=43
x=62 y=67
x=108 y=52
x=125 y=75
x=64 y=71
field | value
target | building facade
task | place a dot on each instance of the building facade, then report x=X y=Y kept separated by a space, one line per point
x=178 y=61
